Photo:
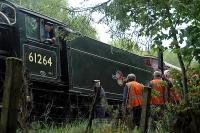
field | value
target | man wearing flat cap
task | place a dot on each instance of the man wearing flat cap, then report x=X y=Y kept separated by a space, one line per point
x=49 y=33
x=100 y=94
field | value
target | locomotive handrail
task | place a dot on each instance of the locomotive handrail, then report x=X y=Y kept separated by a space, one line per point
x=93 y=90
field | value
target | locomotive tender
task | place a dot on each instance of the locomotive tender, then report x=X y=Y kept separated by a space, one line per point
x=61 y=74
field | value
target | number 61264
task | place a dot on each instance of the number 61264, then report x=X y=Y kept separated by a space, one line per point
x=39 y=59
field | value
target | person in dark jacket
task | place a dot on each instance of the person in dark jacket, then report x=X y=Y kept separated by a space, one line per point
x=100 y=94
x=168 y=80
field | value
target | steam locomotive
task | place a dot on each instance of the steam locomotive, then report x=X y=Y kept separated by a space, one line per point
x=61 y=74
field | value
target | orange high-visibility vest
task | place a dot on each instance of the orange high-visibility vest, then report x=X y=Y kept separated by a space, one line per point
x=157 y=84
x=175 y=97
x=134 y=94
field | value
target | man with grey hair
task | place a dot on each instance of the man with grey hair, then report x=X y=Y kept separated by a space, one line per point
x=159 y=85
x=132 y=98
x=157 y=75
x=166 y=78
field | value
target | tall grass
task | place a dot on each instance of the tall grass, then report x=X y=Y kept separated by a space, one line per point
x=80 y=127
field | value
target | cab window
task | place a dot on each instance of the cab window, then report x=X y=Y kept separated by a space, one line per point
x=32 y=27
x=9 y=12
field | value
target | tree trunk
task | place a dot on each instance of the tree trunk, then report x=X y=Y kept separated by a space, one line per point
x=184 y=78
x=180 y=58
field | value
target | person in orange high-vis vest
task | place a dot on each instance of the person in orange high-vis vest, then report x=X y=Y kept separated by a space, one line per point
x=160 y=86
x=133 y=98
x=158 y=96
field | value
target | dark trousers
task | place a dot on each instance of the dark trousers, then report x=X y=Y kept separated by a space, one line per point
x=99 y=112
x=157 y=112
x=136 y=115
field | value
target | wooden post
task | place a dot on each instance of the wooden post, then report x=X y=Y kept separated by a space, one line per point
x=145 y=110
x=11 y=94
x=91 y=115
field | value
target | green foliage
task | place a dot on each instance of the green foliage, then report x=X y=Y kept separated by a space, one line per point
x=143 y=13
x=176 y=76
x=126 y=44
x=51 y=8
x=76 y=127
x=164 y=124
x=159 y=20
x=194 y=86
x=132 y=47
x=82 y=25
x=155 y=93
x=181 y=112
x=152 y=18
x=171 y=58
x=99 y=126
x=192 y=49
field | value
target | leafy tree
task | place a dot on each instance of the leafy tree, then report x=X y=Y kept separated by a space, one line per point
x=130 y=46
x=192 y=49
x=82 y=25
x=158 y=19
x=51 y=8
x=171 y=58
x=126 y=44
x=57 y=9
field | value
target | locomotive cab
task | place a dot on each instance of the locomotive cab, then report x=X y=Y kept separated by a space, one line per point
x=35 y=39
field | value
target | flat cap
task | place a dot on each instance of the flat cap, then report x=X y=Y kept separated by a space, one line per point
x=49 y=23
x=95 y=81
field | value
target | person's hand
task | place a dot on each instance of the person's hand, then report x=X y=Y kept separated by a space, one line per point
x=53 y=40
x=47 y=41
x=28 y=98
x=91 y=95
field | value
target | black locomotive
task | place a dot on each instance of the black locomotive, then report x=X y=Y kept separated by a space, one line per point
x=61 y=73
